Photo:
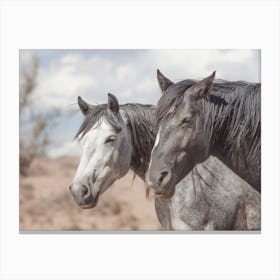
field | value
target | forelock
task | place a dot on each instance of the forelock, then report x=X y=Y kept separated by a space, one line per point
x=173 y=96
x=95 y=116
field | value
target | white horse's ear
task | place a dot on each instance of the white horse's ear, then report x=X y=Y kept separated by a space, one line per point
x=113 y=104
x=84 y=106
x=163 y=82
x=202 y=88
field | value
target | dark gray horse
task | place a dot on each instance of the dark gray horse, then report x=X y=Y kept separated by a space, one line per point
x=199 y=119
x=117 y=138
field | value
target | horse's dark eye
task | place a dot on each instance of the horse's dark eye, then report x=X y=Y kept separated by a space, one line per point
x=186 y=120
x=110 y=139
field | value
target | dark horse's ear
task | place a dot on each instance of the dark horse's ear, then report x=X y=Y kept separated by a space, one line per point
x=202 y=88
x=84 y=107
x=163 y=82
x=113 y=104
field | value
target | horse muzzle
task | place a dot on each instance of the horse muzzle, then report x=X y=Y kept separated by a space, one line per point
x=83 y=196
x=159 y=182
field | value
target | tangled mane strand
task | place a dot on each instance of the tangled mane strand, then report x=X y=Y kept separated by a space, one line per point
x=235 y=110
x=139 y=120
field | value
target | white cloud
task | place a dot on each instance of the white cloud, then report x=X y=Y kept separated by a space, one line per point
x=131 y=77
x=135 y=80
x=64 y=148
x=229 y=64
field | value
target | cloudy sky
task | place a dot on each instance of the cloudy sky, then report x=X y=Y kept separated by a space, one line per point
x=128 y=74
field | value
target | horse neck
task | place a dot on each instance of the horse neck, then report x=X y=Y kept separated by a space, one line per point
x=238 y=146
x=138 y=169
x=244 y=164
x=140 y=150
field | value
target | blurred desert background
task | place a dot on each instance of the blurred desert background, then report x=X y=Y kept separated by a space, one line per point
x=49 y=118
x=46 y=203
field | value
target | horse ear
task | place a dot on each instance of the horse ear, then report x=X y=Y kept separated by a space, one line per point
x=202 y=88
x=84 y=106
x=113 y=104
x=163 y=82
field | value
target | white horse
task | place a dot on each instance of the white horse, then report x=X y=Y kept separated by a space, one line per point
x=117 y=138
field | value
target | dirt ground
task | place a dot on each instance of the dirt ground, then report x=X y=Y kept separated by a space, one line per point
x=46 y=203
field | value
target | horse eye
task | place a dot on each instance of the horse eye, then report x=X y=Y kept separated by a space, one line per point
x=110 y=139
x=186 y=120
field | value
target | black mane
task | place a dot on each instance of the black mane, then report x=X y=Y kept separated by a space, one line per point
x=235 y=109
x=139 y=119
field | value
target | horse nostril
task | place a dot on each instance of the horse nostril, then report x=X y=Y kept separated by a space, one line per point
x=162 y=176
x=70 y=187
x=84 y=190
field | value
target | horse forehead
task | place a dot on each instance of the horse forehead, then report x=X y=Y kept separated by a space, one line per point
x=185 y=109
x=98 y=131
x=172 y=121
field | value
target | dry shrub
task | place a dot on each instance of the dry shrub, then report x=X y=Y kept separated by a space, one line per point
x=34 y=125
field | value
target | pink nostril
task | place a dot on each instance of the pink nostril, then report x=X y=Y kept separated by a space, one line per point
x=84 y=190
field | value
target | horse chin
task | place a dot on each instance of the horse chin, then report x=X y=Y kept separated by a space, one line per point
x=167 y=191
x=166 y=194
x=91 y=204
x=88 y=206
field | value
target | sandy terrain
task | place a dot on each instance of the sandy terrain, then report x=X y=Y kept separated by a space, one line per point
x=46 y=203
